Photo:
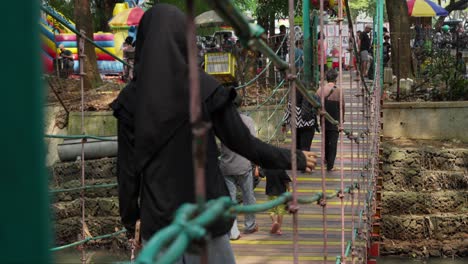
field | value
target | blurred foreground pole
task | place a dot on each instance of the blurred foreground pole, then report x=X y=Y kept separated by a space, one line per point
x=24 y=228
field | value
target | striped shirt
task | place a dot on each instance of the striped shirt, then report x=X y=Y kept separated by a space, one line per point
x=300 y=122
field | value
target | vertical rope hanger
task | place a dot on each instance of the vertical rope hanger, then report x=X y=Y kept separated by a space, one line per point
x=352 y=95
x=199 y=128
x=83 y=141
x=340 y=86
x=323 y=201
x=292 y=95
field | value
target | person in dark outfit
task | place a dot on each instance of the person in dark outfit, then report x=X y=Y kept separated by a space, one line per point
x=332 y=106
x=387 y=48
x=156 y=170
x=364 y=49
x=277 y=183
x=306 y=122
x=67 y=60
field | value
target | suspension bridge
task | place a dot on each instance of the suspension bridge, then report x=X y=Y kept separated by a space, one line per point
x=335 y=215
x=317 y=222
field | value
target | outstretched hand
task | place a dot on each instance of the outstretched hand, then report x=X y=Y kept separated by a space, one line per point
x=311 y=160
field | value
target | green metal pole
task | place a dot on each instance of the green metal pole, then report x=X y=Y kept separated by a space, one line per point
x=315 y=68
x=24 y=232
x=381 y=13
x=307 y=43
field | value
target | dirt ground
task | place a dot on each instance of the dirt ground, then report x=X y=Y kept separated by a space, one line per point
x=69 y=91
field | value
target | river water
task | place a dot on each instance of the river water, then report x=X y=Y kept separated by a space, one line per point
x=104 y=257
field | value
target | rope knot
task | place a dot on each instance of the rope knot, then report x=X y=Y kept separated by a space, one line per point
x=291 y=77
x=322 y=202
x=340 y=194
x=293 y=208
x=193 y=231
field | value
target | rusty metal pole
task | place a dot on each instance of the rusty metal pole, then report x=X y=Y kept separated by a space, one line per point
x=323 y=201
x=83 y=141
x=199 y=128
x=292 y=74
x=341 y=124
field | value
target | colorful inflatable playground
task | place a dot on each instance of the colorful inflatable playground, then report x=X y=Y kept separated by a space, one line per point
x=54 y=33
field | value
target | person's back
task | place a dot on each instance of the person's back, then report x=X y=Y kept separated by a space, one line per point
x=162 y=159
x=331 y=94
x=237 y=172
x=365 y=41
x=232 y=163
x=299 y=58
x=322 y=51
x=276 y=181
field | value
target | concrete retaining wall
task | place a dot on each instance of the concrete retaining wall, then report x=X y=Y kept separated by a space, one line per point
x=95 y=123
x=266 y=121
x=426 y=120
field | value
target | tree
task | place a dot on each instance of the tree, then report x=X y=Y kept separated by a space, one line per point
x=397 y=11
x=83 y=21
x=103 y=13
x=200 y=6
x=362 y=7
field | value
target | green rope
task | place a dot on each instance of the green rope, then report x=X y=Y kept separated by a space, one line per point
x=264 y=70
x=190 y=224
x=77 y=243
x=88 y=187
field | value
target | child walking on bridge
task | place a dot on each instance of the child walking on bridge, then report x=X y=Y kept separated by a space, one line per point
x=277 y=183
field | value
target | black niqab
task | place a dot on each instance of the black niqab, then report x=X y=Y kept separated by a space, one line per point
x=163 y=137
x=162 y=85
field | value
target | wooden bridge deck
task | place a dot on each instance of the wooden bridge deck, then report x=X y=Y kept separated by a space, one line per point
x=263 y=247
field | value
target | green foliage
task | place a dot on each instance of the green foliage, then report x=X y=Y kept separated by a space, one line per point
x=450 y=83
x=67 y=9
x=200 y=6
x=247 y=5
x=364 y=7
x=277 y=8
x=64 y=7
x=359 y=7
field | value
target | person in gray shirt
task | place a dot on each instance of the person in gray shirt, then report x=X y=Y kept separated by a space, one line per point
x=237 y=171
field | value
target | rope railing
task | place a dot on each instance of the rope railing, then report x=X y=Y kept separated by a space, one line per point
x=88 y=239
x=264 y=69
x=84 y=137
x=84 y=234
x=190 y=223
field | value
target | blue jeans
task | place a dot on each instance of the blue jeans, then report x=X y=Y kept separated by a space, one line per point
x=245 y=182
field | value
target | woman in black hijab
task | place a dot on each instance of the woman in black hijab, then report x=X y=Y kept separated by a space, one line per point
x=156 y=107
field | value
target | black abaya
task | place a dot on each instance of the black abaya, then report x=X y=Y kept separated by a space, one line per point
x=163 y=137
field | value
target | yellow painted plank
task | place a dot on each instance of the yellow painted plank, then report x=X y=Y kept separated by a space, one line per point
x=282 y=242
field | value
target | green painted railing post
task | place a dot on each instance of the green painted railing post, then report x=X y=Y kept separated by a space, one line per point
x=381 y=36
x=314 y=38
x=307 y=43
x=24 y=232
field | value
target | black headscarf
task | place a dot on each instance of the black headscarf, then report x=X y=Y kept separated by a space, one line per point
x=162 y=86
